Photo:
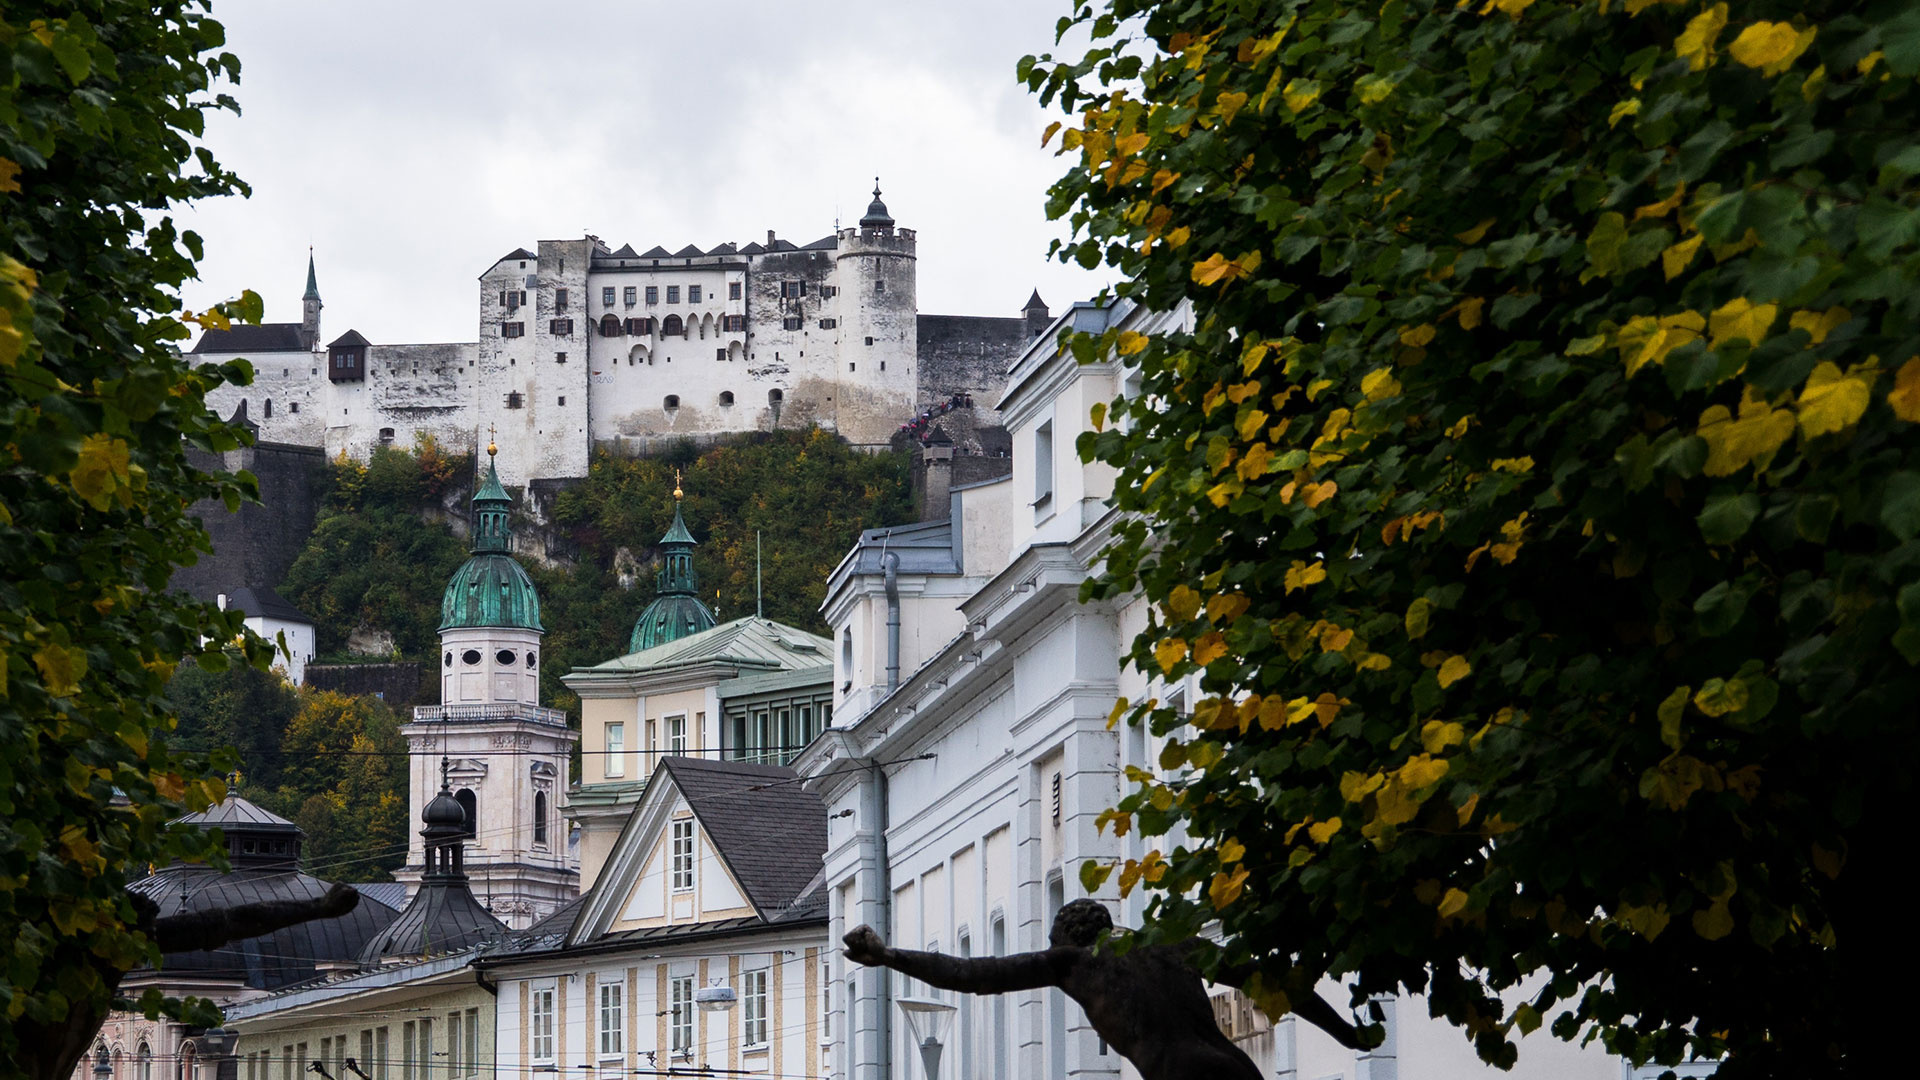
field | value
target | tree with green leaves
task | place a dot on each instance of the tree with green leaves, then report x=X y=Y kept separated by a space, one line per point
x=1536 y=498
x=99 y=106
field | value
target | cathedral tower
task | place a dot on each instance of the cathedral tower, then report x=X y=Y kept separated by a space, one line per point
x=506 y=756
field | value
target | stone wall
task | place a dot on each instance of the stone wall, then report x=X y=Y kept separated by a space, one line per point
x=401 y=685
x=255 y=546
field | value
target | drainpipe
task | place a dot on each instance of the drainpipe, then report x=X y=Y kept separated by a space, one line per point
x=890 y=565
x=882 y=900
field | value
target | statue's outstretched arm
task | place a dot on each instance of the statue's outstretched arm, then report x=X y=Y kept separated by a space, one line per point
x=1307 y=1003
x=970 y=975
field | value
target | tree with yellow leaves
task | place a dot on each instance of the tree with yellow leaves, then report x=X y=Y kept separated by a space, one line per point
x=1537 y=497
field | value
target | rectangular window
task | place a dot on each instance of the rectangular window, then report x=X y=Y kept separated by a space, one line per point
x=612 y=1020
x=676 y=734
x=616 y=750
x=693 y=294
x=366 y=1050
x=507 y=329
x=542 y=1040
x=753 y=1007
x=869 y=341
x=639 y=327
x=456 y=1065
x=559 y=358
x=680 y=1027
x=294 y=407
x=515 y=399
x=1043 y=465
x=559 y=301
x=653 y=294
x=426 y=1070
x=792 y=290
x=561 y=328
x=720 y=354
x=733 y=290
x=630 y=296
x=563 y=399
x=736 y=324
x=673 y=294
x=829 y=324
x=792 y=322
x=473 y=1042
x=382 y=1053
x=879 y=287
x=606 y=296
x=683 y=854
x=408 y=1049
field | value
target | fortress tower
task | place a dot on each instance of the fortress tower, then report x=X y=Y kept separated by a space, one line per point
x=877 y=270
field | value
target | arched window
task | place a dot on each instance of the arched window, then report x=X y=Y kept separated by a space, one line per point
x=671 y=326
x=539 y=817
x=726 y=397
x=269 y=409
x=143 y=1063
x=775 y=396
x=610 y=325
x=637 y=355
x=471 y=804
x=672 y=402
x=386 y=435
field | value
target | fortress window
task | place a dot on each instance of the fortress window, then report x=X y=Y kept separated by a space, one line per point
x=720 y=354
x=775 y=396
x=606 y=296
x=673 y=327
x=559 y=300
x=653 y=294
x=269 y=407
x=629 y=295
x=610 y=325
x=673 y=294
x=471 y=656
x=671 y=403
x=295 y=407
x=559 y=358
x=734 y=324
x=386 y=436
x=563 y=399
x=733 y=290
x=561 y=328
x=513 y=329
x=879 y=287
x=726 y=397
x=792 y=322
x=869 y=341
x=638 y=327
x=693 y=294
x=505 y=657
x=828 y=324
x=829 y=290
x=792 y=290
x=515 y=400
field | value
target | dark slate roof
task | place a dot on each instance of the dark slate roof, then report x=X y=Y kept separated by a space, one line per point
x=825 y=243
x=782 y=245
x=349 y=340
x=517 y=253
x=267 y=337
x=1034 y=302
x=723 y=249
x=443 y=917
x=924 y=548
x=235 y=814
x=393 y=894
x=264 y=603
x=742 y=807
x=688 y=252
x=752 y=248
x=626 y=252
x=655 y=252
x=271 y=961
x=811 y=905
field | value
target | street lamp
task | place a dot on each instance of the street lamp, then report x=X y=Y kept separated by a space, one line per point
x=715 y=998
x=927 y=1021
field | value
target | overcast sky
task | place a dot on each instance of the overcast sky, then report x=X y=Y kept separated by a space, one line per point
x=412 y=143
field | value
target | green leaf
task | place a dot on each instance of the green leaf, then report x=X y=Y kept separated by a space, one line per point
x=1900 y=505
x=1720 y=608
x=1727 y=517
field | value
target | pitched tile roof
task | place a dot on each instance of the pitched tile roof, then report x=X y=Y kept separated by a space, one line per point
x=771 y=831
x=264 y=603
x=267 y=337
x=654 y=252
x=747 y=642
x=348 y=340
x=688 y=252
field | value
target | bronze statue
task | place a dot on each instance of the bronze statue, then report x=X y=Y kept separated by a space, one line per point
x=1149 y=1004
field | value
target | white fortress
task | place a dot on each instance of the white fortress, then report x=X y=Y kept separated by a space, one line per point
x=580 y=345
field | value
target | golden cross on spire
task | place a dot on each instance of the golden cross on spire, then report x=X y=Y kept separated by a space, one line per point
x=491 y=448
x=676 y=485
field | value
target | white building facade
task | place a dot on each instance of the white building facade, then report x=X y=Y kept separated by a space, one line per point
x=581 y=346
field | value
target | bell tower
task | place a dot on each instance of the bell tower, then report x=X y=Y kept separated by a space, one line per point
x=505 y=756
x=310 y=308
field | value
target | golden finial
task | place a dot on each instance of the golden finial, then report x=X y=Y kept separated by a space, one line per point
x=676 y=485
x=491 y=449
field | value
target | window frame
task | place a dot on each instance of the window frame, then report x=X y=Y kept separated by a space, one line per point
x=612 y=1032
x=680 y=1012
x=681 y=855
x=540 y=1042
x=754 y=1003
x=614 y=760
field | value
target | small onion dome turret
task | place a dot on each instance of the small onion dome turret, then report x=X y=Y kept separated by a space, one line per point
x=491 y=588
x=877 y=216
x=676 y=610
x=443 y=915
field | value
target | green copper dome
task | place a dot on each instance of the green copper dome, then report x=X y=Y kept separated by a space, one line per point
x=491 y=588
x=676 y=610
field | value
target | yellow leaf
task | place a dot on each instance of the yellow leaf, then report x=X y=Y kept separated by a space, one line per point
x=61 y=669
x=1232 y=851
x=1169 y=653
x=1753 y=438
x=1300 y=575
x=1300 y=93
x=1472 y=236
x=1470 y=311
x=1375 y=662
x=1183 y=603
x=1417 y=335
x=1379 y=383
x=1740 y=318
x=1131 y=342
x=1419 y=613
x=1868 y=61
x=1315 y=494
x=9 y=169
x=1230 y=103
x=1812 y=86
x=1818 y=324
x=1647 y=921
x=1223 y=608
x=1519 y=466
x=1832 y=401
x=1047 y=136
x=1437 y=735
x=1715 y=922
x=1511 y=7
x=1718 y=697
x=1119 y=710
x=1459 y=427
x=1465 y=813
x=1323 y=831
x=1357 y=786
x=1326 y=707
x=1629 y=107
x=1217 y=269
x=1905 y=395
x=81 y=850
x=1646 y=339
x=1695 y=44
x=101 y=471
x=1770 y=46
x=1210 y=647
x=1250 y=424
x=1674 y=260
x=1664 y=206
x=1453 y=903
x=1453 y=670
x=1422 y=770
x=1226 y=888
x=1372 y=89
x=1098 y=414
